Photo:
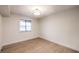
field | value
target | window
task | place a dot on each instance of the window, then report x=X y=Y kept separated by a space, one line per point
x=25 y=25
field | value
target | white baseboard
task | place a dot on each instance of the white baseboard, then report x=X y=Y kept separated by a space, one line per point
x=18 y=41
x=60 y=43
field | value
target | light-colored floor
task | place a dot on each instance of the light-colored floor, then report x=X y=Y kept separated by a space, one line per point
x=36 y=46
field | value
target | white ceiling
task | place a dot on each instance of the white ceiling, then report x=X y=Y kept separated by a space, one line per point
x=26 y=10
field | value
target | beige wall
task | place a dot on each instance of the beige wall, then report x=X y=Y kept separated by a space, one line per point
x=0 y=31
x=11 y=30
x=62 y=28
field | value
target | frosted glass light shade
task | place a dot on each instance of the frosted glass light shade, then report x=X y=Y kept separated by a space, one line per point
x=36 y=12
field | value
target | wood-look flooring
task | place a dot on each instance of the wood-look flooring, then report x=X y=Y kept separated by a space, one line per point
x=37 y=45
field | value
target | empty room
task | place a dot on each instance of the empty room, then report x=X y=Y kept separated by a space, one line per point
x=39 y=28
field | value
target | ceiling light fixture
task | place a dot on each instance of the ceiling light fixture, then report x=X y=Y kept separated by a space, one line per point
x=36 y=12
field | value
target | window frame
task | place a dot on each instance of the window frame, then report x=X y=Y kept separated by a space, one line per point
x=25 y=21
